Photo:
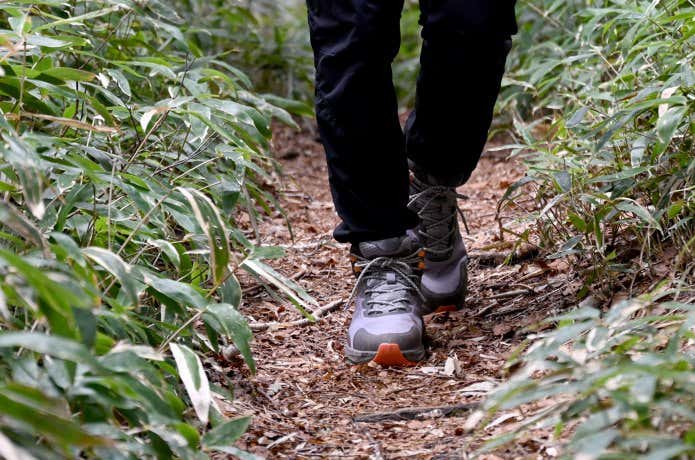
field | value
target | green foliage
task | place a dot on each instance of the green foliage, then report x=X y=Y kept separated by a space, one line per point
x=129 y=143
x=623 y=389
x=407 y=64
x=601 y=96
x=609 y=87
x=279 y=44
x=271 y=42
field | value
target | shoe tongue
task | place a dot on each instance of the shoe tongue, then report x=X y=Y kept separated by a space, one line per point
x=388 y=247
x=386 y=283
x=387 y=294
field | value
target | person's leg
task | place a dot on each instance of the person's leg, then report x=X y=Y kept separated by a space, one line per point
x=354 y=43
x=463 y=57
x=465 y=45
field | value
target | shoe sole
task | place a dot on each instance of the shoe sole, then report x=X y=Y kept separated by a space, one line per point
x=387 y=355
x=446 y=309
x=450 y=306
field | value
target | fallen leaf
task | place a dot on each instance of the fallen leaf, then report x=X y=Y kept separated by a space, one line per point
x=473 y=420
x=504 y=418
x=502 y=329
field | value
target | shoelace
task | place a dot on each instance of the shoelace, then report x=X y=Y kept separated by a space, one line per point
x=388 y=282
x=437 y=237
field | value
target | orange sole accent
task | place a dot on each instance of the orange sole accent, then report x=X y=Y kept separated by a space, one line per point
x=389 y=354
x=445 y=308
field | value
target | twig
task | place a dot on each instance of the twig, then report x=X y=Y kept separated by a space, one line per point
x=504 y=295
x=486 y=309
x=317 y=314
x=142 y=143
x=498 y=258
x=528 y=276
x=416 y=413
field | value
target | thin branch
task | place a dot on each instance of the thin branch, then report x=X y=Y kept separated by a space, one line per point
x=318 y=314
x=417 y=413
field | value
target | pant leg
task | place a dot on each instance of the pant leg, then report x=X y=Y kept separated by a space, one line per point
x=465 y=45
x=354 y=43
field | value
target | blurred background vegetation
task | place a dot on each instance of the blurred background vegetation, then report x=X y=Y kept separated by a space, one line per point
x=133 y=132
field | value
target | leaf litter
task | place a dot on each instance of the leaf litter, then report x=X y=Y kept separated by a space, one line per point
x=304 y=397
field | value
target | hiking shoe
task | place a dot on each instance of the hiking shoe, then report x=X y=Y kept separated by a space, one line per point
x=445 y=275
x=387 y=325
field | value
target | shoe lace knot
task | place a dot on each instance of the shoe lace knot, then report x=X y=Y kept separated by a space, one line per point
x=437 y=208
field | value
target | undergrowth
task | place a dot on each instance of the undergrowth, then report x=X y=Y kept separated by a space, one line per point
x=601 y=95
x=129 y=145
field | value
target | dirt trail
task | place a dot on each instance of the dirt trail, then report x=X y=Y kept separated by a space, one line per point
x=305 y=396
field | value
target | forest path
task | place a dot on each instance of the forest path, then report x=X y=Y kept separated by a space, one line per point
x=305 y=397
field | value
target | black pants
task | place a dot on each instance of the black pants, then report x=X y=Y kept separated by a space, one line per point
x=465 y=45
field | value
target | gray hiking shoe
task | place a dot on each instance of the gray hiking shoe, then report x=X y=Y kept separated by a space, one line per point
x=445 y=276
x=387 y=323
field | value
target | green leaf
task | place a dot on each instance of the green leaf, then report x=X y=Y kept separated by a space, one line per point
x=69 y=74
x=639 y=211
x=563 y=180
x=593 y=445
x=57 y=296
x=210 y=220
x=235 y=452
x=20 y=24
x=578 y=222
x=299 y=297
x=26 y=163
x=35 y=412
x=227 y=321
x=48 y=42
x=577 y=117
x=58 y=347
x=231 y=292
x=669 y=452
x=181 y=293
x=643 y=389
x=14 y=88
x=83 y=17
x=637 y=151
x=169 y=250
x=121 y=81
x=689 y=436
x=293 y=106
x=226 y=434
x=668 y=123
x=118 y=268
x=267 y=252
x=194 y=380
x=675 y=209
x=18 y=223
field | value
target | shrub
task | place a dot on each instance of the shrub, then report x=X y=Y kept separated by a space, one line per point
x=611 y=86
x=128 y=145
x=602 y=96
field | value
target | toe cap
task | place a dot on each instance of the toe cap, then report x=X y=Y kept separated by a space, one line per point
x=364 y=340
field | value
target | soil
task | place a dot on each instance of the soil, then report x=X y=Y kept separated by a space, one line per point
x=305 y=397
